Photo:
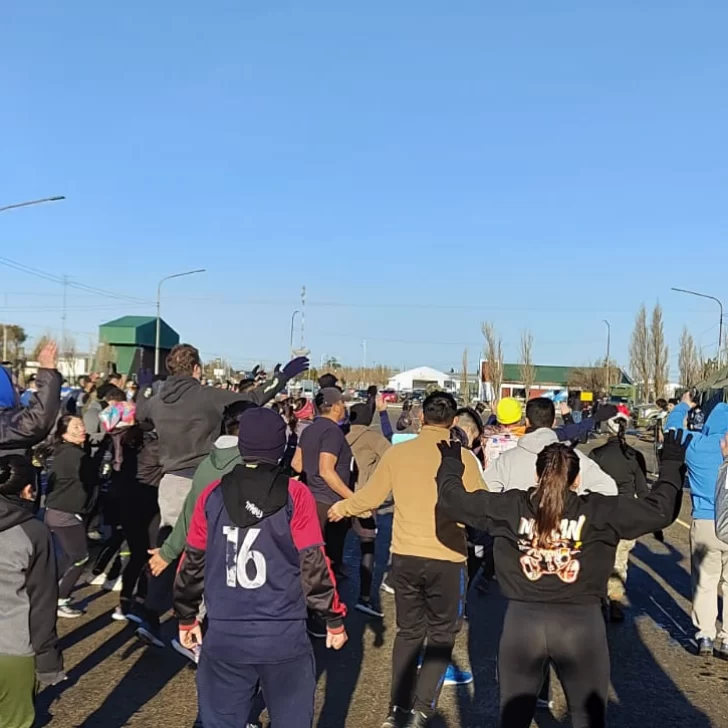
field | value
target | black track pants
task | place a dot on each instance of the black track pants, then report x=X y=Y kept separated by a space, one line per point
x=574 y=638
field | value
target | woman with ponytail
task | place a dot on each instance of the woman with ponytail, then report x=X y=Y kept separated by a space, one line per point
x=554 y=552
x=628 y=468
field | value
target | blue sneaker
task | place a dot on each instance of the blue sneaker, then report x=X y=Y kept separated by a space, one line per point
x=456 y=676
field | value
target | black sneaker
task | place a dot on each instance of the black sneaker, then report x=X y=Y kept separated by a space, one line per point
x=417 y=720
x=704 y=647
x=149 y=635
x=365 y=606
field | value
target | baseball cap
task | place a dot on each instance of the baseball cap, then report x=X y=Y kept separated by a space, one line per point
x=329 y=396
x=509 y=411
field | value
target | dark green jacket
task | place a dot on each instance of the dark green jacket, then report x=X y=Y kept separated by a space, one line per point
x=223 y=458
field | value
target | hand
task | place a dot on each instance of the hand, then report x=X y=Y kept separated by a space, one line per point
x=687 y=399
x=724 y=447
x=156 y=564
x=336 y=512
x=450 y=450
x=296 y=366
x=191 y=638
x=381 y=404
x=564 y=409
x=336 y=640
x=674 y=447
x=145 y=378
x=605 y=412
x=48 y=357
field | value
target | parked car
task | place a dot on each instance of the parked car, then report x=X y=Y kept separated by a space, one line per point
x=389 y=396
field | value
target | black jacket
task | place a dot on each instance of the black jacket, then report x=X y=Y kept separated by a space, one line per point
x=627 y=467
x=28 y=589
x=188 y=418
x=576 y=568
x=23 y=427
x=73 y=478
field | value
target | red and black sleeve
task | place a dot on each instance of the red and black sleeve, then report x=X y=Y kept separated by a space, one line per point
x=190 y=579
x=317 y=577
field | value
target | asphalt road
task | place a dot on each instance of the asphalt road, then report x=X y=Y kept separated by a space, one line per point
x=116 y=681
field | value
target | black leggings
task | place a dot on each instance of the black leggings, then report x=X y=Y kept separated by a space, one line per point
x=366 y=569
x=140 y=523
x=574 y=638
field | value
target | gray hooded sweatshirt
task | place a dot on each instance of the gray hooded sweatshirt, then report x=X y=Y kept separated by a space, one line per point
x=516 y=469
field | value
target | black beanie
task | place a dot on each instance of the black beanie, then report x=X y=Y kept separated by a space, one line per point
x=361 y=414
x=262 y=435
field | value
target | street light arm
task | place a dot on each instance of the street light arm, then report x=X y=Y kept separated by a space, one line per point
x=178 y=275
x=16 y=205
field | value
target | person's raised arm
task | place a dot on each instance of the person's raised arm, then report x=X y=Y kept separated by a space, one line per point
x=30 y=425
x=632 y=517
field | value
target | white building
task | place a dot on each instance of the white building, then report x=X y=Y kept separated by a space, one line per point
x=420 y=378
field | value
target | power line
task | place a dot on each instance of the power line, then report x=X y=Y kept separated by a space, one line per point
x=65 y=281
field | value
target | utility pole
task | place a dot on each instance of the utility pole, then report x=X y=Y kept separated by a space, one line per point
x=5 y=331
x=609 y=342
x=303 y=315
x=364 y=355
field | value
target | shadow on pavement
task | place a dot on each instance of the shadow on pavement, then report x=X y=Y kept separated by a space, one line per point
x=343 y=669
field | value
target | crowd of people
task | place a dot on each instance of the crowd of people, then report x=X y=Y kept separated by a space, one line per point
x=231 y=506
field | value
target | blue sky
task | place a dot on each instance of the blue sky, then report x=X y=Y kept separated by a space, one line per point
x=419 y=166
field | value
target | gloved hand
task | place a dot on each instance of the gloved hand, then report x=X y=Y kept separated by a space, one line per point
x=145 y=378
x=605 y=412
x=296 y=366
x=674 y=448
x=450 y=450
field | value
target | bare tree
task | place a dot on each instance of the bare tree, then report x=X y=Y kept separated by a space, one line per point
x=688 y=359
x=639 y=353
x=659 y=351
x=464 y=384
x=528 y=370
x=592 y=378
x=494 y=359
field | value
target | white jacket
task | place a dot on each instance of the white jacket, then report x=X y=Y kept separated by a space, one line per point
x=516 y=468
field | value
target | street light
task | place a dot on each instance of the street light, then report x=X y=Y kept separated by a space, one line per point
x=720 y=323
x=159 y=295
x=13 y=207
x=293 y=318
x=57 y=198
x=609 y=341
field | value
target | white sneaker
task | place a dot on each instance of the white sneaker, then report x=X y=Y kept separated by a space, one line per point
x=386 y=588
x=99 y=580
x=68 y=612
x=542 y=704
x=112 y=586
x=192 y=655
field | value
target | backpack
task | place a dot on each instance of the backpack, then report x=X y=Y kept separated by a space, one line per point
x=721 y=503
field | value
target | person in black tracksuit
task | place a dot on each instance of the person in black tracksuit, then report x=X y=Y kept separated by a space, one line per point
x=629 y=469
x=554 y=552
x=71 y=485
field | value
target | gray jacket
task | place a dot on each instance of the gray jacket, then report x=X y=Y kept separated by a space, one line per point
x=516 y=468
x=28 y=589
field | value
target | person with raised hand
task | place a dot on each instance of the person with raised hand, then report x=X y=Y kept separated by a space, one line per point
x=554 y=552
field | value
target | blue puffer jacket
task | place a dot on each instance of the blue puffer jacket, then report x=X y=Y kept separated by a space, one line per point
x=703 y=457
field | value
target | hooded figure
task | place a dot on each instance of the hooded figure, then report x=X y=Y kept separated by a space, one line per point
x=255 y=545
x=23 y=427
